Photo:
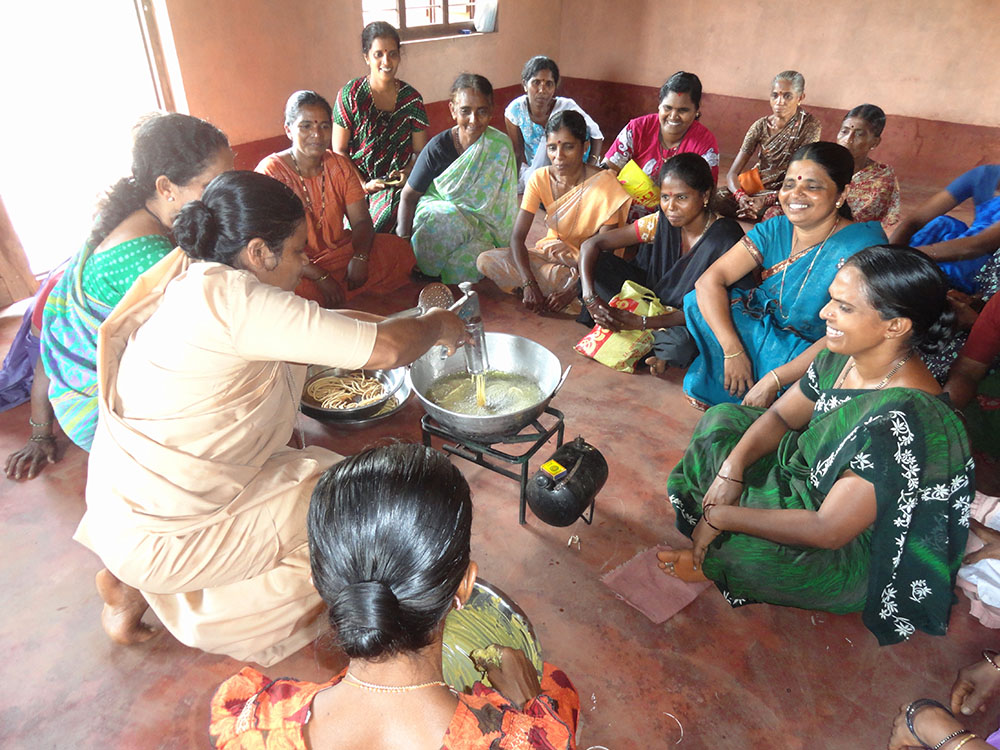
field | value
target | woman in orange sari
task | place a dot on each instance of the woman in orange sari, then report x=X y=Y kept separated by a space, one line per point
x=579 y=201
x=389 y=573
x=330 y=189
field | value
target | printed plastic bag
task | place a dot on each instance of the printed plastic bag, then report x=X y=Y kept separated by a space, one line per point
x=638 y=184
x=620 y=351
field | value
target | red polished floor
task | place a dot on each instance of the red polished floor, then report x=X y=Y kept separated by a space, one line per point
x=759 y=676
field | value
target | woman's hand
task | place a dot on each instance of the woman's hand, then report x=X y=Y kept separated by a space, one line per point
x=452 y=333
x=332 y=291
x=763 y=393
x=533 y=299
x=357 y=272
x=932 y=724
x=702 y=536
x=558 y=300
x=373 y=186
x=966 y=313
x=738 y=374
x=516 y=677
x=613 y=318
x=747 y=208
x=31 y=459
x=974 y=684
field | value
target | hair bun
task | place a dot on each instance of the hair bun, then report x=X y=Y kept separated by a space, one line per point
x=196 y=230
x=366 y=614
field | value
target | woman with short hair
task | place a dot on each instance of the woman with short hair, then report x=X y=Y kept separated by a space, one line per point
x=747 y=195
x=329 y=188
x=461 y=197
x=527 y=117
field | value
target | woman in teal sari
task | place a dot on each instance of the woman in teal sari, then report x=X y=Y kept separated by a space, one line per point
x=461 y=197
x=852 y=492
x=173 y=157
x=759 y=341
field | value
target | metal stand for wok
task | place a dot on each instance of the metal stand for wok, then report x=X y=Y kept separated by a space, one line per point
x=535 y=434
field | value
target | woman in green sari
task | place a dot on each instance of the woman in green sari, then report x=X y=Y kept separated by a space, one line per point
x=461 y=197
x=852 y=491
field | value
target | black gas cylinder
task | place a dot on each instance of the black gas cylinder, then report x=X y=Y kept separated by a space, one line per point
x=567 y=483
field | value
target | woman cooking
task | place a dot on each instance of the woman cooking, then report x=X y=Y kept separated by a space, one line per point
x=761 y=340
x=527 y=116
x=461 y=196
x=195 y=501
x=579 y=200
x=379 y=123
x=389 y=573
x=748 y=195
x=680 y=241
x=674 y=129
x=852 y=492
x=328 y=185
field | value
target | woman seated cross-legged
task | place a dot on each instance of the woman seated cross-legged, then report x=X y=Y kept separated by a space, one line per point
x=461 y=197
x=680 y=241
x=873 y=194
x=389 y=573
x=968 y=254
x=852 y=492
x=579 y=201
x=759 y=341
x=330 y=189
x=651 y=139
x=527 y=116
x=748 y=194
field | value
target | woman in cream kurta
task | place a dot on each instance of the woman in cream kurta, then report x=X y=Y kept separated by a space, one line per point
x=193 y=495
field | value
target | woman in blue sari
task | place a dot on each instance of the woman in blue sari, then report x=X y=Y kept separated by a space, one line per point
x=962 y=251
x=758 y=341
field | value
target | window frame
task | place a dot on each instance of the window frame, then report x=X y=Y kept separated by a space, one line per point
x=434 y=30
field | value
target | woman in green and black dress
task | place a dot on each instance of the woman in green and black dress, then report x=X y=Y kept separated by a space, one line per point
x=851 y=493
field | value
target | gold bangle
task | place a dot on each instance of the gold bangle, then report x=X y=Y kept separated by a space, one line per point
x=529 y=282
x=968 y=738
x=734 y=354
x=41 y=438
x=323 y=277
x=776 y=379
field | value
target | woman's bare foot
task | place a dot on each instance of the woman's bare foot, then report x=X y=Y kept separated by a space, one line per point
x=124 y=607
x=657 y=366
x=679 y=564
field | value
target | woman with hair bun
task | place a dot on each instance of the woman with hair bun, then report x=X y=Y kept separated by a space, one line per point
x=389 y=572
x=173 y=158
x=195 y=502
x=852 y=492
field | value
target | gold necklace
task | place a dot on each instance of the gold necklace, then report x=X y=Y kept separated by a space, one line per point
x=708 y=222
x=373 y=688
x=896 y=368
x=781 y=290
x=305 y=190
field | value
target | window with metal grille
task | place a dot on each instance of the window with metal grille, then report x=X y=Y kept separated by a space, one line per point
x=422 y=19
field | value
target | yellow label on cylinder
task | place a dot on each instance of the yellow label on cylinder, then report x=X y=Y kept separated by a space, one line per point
x=553 y=468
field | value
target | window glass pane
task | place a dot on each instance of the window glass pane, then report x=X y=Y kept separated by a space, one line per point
x=423 y=13
x=461 y=12
x=379 y=10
